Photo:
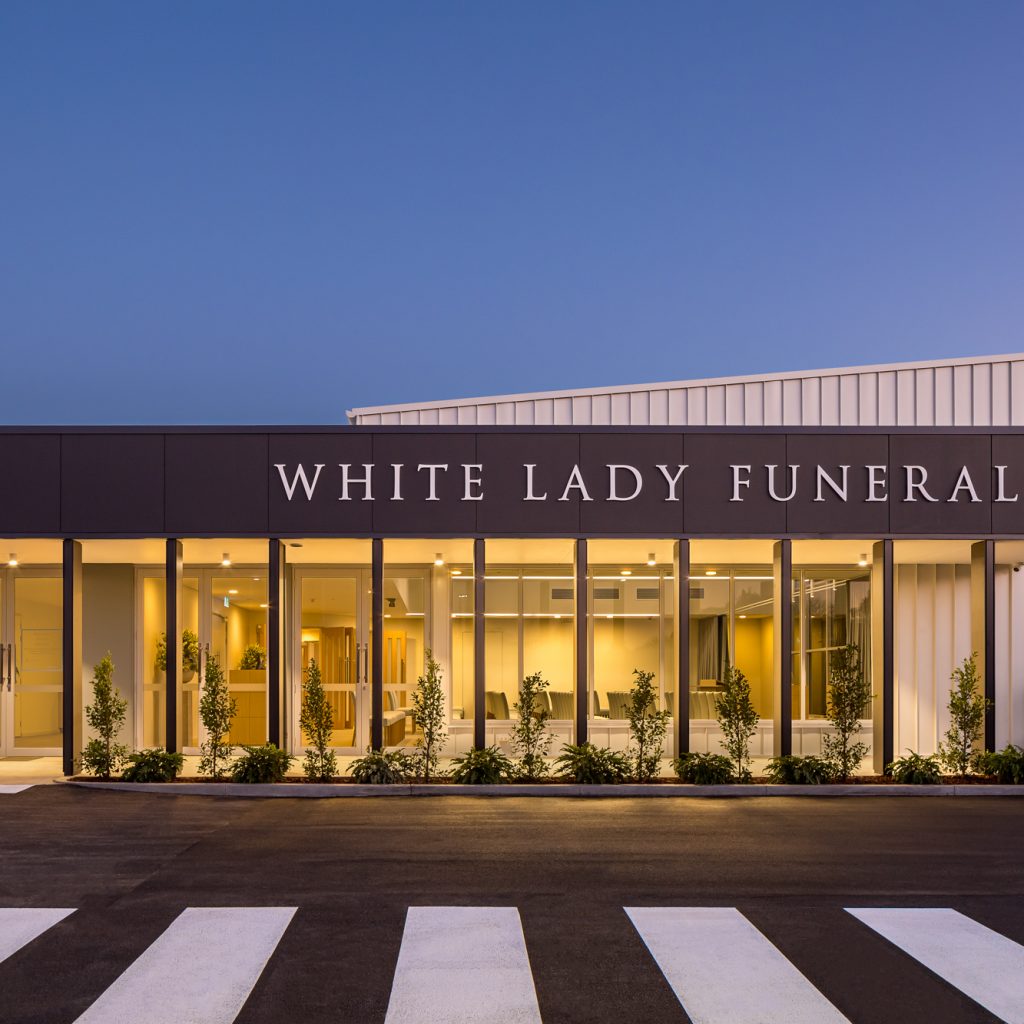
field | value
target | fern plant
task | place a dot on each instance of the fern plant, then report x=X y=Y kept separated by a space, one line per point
x=703 y=769
x=382 y=768
x=216 y=710
x=530 y=737
x=916 y=770
x=428 y=715
x=486 y=766
x=1007 y=765
x=153 y=765
x=316 y=718
x=792 y=770
x=264 y=763
x=647 y=727
x=103 y=755
x=590 y=765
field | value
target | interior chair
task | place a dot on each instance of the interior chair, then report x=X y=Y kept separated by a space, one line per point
x=561 y=704
x=495 y=704
x=618 y=701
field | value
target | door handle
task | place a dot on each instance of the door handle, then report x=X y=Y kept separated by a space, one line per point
x=10 y=665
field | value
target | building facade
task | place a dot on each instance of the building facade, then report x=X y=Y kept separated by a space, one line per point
x=675 y=529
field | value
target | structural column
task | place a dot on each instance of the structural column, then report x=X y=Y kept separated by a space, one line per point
x=377 y=645
x=782 y=572
x=983 y=627
x=72 y=653
x=883 y=701
x=275 y=641
x=681 y=709
x=479 y=647
x=172 y=633
x=582 y=671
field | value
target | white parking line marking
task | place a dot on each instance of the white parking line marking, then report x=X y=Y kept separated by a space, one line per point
x=724 y=971
x=981 y=963
x=465 y=964
x=11 y=789
x=199 y=971
x=19 y=926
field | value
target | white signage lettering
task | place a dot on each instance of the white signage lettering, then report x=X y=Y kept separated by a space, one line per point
x=365 y=480
x=613 y=478
x=299 y=477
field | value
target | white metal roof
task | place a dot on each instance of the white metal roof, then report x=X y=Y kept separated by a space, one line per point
x=975 y=391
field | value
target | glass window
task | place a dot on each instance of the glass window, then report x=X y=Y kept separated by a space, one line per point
x=463 y=664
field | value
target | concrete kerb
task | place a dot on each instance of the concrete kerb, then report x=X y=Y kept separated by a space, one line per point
x=335 y=790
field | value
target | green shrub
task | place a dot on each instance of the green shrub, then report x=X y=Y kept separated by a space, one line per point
x=848 y=693
x=316 y=719
x=428 y=715
x=588 y=765
x=738 y=719
x=792 y=770
x=647 y=727
x=216 y=710
x=254 y=656
x=1006 y=765
x=530 y=737
x=967 y=707
x=382 y=768
x=916 y=770
x=153 y=766
x=482 y=767
x=703 y=769
x=189 y=651
x=106 y=714
x=261 y=764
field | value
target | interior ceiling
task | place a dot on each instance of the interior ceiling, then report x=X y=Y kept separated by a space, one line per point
x=313 y=551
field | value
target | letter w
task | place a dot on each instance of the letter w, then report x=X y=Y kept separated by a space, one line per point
x=300 y=474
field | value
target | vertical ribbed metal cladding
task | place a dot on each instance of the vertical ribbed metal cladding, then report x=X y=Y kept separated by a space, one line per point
x=990 y=644
x=72 y=652
x=681 y=710
x=888 y=655
x=275 y=639
x=377 y=645
x=582 y=668
x=172 y=633
x=479 y=646
x=783 y=591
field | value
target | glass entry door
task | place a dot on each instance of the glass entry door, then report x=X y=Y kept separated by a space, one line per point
x=31 y=670
x=224 y=615
x=331 y=626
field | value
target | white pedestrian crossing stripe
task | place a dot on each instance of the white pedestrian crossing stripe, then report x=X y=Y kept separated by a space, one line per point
x=199 y=971
x=465 y=964
x=19 y=926
x=11 y=789
x=724 y=971
x=981 y=963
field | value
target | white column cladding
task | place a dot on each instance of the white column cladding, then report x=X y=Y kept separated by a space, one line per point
x=1009 y=656
x=932 y=635
x=439 y=637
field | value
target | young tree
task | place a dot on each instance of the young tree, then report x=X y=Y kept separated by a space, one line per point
x=428 y=715
x=216 y=709
x=647 y=727
x=967 y=706
x=738 y=718
x=316 y=718
x=106 y=715
x=848 y=693
x=530 y=737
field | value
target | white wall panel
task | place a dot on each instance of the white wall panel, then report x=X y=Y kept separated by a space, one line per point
x=962 y=394
x=791 y=403
x=659 y=408
x=677 y=406
x=829 y=401
x=924 y=398
x=1009 y=657
x=810 y=398
x=887 y=399
x=1000 y=394
x=716 y=406
x=620 y=409
x=639 y=408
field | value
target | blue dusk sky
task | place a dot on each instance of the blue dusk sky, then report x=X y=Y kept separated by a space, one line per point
x=252 y=212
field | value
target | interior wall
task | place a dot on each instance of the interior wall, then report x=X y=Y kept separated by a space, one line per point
x=108 y=625
x=754 y=640
x=932 y=631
